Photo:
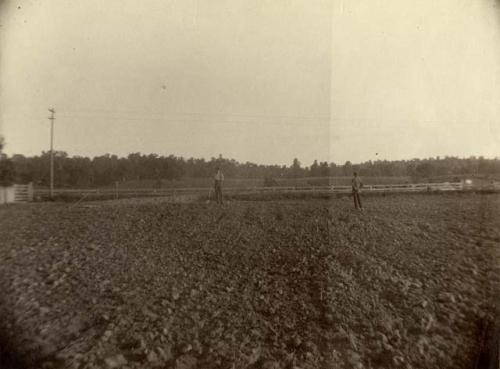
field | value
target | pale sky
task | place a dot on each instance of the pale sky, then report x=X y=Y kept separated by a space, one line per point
x=254 y=80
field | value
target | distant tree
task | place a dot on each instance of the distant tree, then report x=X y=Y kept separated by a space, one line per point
x=105 y=170
x=314 y=169
x=334 y=170
x=425 y=169
x=347 y=168
x=270 y=182
x=296 y=169
x=324 y=170
x=482 y=165
x=7 y=171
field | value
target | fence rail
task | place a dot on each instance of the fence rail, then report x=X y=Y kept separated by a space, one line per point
x=124 y=192
x=16 y=193
x=23 y=193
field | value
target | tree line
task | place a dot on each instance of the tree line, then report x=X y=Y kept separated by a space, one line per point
x=106 y=170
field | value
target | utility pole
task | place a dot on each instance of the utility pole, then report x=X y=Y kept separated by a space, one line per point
x=52 y=118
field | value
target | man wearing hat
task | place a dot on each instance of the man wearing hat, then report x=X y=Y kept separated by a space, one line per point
x=218 y=179
x=356 y=187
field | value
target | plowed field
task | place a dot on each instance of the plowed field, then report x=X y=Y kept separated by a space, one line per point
x=411 y=282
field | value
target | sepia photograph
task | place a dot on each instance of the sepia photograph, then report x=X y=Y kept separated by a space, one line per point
x=250 y=184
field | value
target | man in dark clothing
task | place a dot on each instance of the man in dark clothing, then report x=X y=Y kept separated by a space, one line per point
x=218 y=179
x=356 y=187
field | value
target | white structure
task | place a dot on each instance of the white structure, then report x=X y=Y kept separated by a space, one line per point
x=16 y=193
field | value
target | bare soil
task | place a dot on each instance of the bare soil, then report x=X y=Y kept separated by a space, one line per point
x=411 y=282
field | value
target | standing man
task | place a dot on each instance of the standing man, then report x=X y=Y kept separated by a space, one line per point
x=356 y=187
x=218 y=179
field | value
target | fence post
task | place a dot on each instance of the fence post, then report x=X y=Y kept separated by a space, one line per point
x=30 y=191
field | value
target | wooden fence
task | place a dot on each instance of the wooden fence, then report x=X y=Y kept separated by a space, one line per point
x=16 y=193
x=123 y=192
x=23 y=193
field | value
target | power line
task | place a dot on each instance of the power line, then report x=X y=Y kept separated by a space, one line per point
x=204 y=115
x=195 y=120
x=246 y=118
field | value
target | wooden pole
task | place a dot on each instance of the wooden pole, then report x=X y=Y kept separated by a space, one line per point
x=52 y=118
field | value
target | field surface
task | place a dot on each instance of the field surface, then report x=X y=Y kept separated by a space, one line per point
x=411 y=282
